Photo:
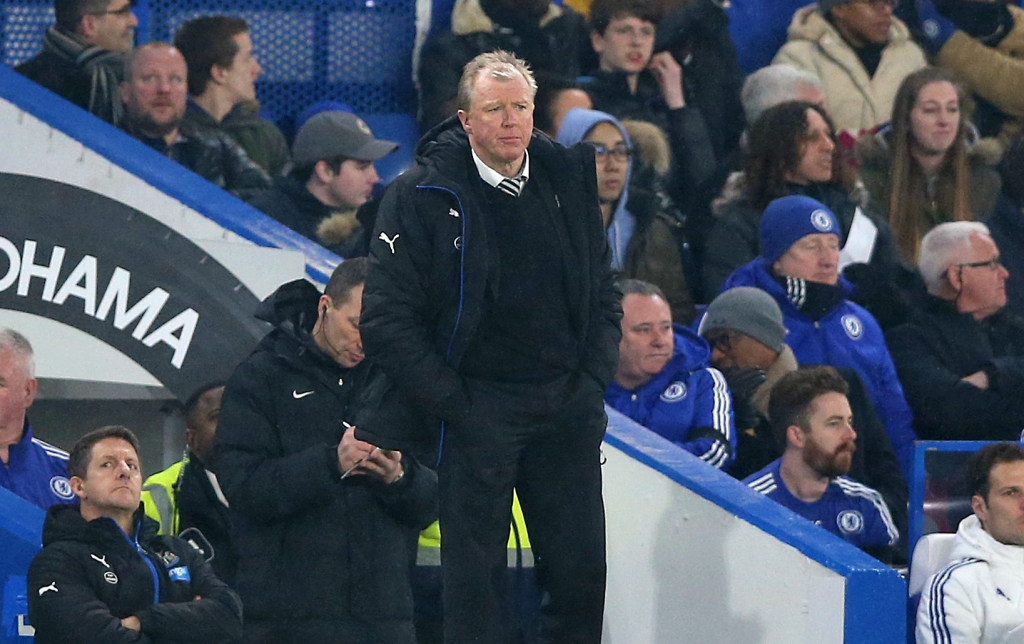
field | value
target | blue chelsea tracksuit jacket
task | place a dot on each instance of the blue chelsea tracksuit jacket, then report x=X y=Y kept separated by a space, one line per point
x=687 y=402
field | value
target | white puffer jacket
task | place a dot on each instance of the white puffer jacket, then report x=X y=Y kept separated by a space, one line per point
x=855 y=101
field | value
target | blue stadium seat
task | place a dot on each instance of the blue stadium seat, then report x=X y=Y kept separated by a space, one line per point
x=400 y=128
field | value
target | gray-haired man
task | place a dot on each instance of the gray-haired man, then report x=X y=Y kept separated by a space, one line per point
x=491 y=304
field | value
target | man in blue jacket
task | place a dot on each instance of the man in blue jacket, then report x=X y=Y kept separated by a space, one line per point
x=34 y=470
x=811 y=418
x=799 y=267
x=664 y=380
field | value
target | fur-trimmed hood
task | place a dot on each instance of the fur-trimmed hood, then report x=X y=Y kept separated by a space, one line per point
x=874 y=149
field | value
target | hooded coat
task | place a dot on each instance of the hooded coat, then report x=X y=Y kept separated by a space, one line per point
x=687 y=402
x=855 y=100
x=436 y=264
x=90 y=575
x=846 y=336
x=979 y=596
x=330 y=554
x=641 y=236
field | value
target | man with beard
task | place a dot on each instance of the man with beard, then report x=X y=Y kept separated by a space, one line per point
x=154 y=93
x=811 y=417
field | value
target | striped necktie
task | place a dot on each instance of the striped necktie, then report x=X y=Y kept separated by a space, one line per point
x=511 y=186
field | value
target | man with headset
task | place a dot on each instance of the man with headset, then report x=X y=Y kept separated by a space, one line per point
x=324 y=525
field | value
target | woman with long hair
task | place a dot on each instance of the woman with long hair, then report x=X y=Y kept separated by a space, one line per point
x=928 y=166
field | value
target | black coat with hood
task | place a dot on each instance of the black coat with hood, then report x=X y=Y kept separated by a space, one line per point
x=90 y=575
x=312 y=548
x=425 y=300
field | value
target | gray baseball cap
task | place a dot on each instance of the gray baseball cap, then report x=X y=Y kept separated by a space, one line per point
x=337 y=134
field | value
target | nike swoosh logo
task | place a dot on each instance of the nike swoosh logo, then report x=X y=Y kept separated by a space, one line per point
x=296 y=395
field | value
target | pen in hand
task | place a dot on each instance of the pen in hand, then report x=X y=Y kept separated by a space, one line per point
x=352 y=469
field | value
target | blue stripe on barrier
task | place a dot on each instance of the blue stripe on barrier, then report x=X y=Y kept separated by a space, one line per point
x=876 y=595
x=165 y=175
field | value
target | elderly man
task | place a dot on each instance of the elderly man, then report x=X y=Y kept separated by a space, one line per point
x=492 y=305
x=976 y=599
x=154 y=93
x=323 y=524
x=82 y=54
x=105 y=575
x=799 y=267
x=860 y=51
x=961 y=357
x=32 y=469
x=664 y=381
x=222 y=73
x=811 y=417
x=774 y=84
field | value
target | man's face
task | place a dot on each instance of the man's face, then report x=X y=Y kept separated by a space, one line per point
x=155 y=95
x=337 y=332
x=499 y=121
x=816 y=149
x=864 y=22
x=647 y=341
x=113 y=29
x=613 y=163
x=734 y=350
x=202 y=424
x=17 y=391
x=982 y=278
x=830 y=443
x=351 y=186
x=113 y=481
x=935 y=118
x=813 y=257
x=626 y=46
x=1002 y=513
x=240 y=78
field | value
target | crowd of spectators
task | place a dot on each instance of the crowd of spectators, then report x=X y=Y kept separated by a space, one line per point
x=829 y=209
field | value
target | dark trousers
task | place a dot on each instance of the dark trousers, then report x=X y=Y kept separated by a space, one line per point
x=553 y=461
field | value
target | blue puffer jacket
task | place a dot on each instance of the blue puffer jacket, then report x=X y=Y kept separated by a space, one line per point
x=848 y=336
x=688 y=402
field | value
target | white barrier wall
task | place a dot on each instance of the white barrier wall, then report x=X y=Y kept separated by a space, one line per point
x=684 y=569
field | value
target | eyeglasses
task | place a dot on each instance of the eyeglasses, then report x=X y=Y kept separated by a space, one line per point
x=123 y=12
x=722 y=341
x=993 y=264
x=619 y=152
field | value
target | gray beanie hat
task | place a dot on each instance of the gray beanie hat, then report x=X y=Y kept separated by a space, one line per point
x=824 y=6
x=750 y=311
